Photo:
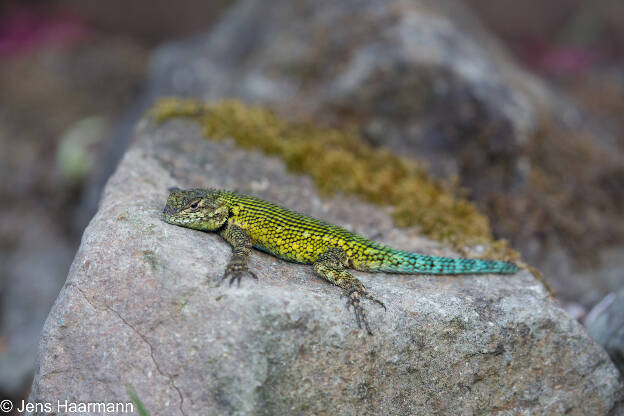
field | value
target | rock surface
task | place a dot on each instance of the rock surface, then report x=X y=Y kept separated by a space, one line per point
x=137 y=310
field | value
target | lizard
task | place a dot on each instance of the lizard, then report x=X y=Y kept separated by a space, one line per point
x=247 y=221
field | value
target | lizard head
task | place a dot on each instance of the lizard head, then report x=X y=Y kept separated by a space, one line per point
x=198 y=209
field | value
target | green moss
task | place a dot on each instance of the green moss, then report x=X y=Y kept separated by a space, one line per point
x=340 y=161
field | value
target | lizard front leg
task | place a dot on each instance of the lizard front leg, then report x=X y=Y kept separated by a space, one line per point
x=332 y=266
x=241 y=248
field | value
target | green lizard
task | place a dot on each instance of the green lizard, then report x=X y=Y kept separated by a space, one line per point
x=246 y=222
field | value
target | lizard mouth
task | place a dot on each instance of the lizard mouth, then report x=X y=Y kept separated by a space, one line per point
x=168 y=217
x=169 y=214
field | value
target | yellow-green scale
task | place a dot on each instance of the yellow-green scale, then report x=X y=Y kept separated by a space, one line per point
x=299 y=238
x=296 y=237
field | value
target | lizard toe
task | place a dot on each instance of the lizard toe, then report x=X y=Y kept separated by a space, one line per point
x=360 y=316
x=377 y=301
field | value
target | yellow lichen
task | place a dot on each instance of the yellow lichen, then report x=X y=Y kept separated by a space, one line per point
x=340 y=161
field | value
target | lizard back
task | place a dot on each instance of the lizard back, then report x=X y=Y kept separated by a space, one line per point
x=300 y=238
x=288 y=234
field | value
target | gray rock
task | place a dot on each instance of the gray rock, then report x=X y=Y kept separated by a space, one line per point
x=605 y=324
x=138 y=309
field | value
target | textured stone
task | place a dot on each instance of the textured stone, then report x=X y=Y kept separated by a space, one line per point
x=137 y=310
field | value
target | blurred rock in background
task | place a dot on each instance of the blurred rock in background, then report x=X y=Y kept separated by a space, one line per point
x=605 y=324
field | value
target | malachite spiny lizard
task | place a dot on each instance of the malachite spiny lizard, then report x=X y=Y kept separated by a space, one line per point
x=246 y=222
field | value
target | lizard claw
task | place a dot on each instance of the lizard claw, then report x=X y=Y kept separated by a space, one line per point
x=380 y=303
x=360 y=316
x=235 y=272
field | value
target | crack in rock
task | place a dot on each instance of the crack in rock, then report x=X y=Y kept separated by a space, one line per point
x=144 y=338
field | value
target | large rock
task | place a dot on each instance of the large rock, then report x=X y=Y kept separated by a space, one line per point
x=138 y=310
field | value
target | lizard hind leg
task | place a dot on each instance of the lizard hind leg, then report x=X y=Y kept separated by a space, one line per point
x=332 y=266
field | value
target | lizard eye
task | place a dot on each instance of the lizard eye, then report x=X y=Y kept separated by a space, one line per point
x=194 y=205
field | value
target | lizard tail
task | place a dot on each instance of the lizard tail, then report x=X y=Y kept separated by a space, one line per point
x=397 y=261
